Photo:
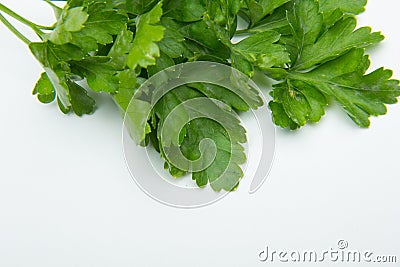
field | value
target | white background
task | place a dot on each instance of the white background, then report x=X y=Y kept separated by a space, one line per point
x=67 y=199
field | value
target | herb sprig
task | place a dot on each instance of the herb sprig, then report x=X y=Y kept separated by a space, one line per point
x=312 y=49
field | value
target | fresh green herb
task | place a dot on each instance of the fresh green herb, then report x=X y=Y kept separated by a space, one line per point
x=312 y=49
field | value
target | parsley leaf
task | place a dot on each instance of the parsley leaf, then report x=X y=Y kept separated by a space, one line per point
x=303 y=96
x=259 y=52
x=308 y=48
x=224 y=172
x=351 y=7
x=329 y=46
x=70 y=20
x=54 y=60
x=100 y=27
x=99 y=73
x=119 y=51
x=145 y=50
x=258 y=9
x=328 y=63
x=44 y=89
x=185 y=10
x=126 y=90
x=139 y=7
x=173 y=43
x=80 y=101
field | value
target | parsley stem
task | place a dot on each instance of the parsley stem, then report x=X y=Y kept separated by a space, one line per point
x=247 y=31
x=53 y=5
x=33 y=26
x=14 y=30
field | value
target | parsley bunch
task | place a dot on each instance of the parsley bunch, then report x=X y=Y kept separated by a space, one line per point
x=312 y=49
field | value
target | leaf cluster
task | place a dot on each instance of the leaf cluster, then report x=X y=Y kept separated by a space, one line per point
x=312 y=49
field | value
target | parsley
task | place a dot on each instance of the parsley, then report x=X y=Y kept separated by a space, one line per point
x=312 y=49
x=328 y=64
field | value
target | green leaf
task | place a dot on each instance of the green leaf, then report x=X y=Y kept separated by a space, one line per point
x=173 y=42
x=277 y=21
x=317 y=39
x=330 y=18
x=361 y=95
x=306 y=24
x=162 y=63
x=80 y=101
x=54 y=59
x=70 y=20
x=100 y=27
x=99 y=73
x=322 y=67
x=120 y=49
x=303 y=95
x=226 y=96
x=55 y=56
x=258 y=9
x=230 y=153
x=225 y=172
x=262 y=50
x=346 y=6
x=126 y=90
x=300 y=101
x=137 y=112
x=279 y=115
x=333 y=11
x=63 y=109
x=240 y=63
x=185 y=10
x=145 y=50
x=335 y=42
x=44 y=89
x=223 y=14
x=139 y=7
x=202 y=34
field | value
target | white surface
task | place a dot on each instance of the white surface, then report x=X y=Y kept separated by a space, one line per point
x=66 y=197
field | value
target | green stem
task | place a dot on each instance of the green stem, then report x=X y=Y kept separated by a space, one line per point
x=245 y=31
x=14 y=30
x=53 y=5
x=50 y=28
x=33 y=26
x=132 y=21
